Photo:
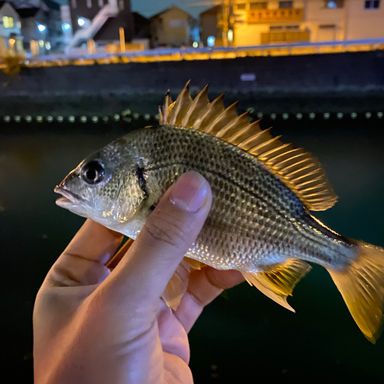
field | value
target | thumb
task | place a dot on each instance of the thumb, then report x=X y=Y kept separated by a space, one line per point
x=168 y=233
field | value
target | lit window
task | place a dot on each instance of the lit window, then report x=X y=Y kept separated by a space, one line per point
x=285 y=4
x=334 y=4
x=372 y=4
x=259 y=5
x=8 y=22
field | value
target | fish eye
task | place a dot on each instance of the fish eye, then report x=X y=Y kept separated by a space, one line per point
x=92 y=172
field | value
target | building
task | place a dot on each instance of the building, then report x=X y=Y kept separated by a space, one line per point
x=141 y=28
x=251 y=22
x=172 y=27
x=35 y=24
x=211 y=30
x=10 y=29
x=100 y=20
x=34 y=28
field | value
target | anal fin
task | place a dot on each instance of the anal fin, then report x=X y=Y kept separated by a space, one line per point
x=279 y=281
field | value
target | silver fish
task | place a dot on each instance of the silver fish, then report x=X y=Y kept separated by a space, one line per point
x=263 y=191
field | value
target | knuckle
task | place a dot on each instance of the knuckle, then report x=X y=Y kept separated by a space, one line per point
x=165 y=229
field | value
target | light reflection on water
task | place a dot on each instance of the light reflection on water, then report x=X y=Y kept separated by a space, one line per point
x=242 y=334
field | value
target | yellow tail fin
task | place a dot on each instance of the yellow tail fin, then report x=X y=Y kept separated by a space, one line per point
x=362 y=288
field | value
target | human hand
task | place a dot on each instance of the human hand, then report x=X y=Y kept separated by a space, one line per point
x=93 y=325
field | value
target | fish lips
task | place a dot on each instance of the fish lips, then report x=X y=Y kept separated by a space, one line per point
x=68 y=199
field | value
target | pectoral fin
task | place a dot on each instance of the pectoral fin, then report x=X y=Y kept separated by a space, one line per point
x=194 y=264
x=279 y=281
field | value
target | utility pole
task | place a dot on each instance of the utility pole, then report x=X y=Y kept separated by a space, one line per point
x=225 y=23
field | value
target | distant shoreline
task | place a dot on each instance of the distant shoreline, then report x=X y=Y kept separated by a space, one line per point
x=344 y=83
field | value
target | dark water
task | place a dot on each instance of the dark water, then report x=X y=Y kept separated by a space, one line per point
x=242 y=335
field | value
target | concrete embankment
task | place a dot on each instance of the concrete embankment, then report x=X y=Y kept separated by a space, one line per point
x=348 y=82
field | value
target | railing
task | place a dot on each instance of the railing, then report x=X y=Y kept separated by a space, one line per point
x=175 y=54
x=82 y=35
x=284 y=37
x=266 y=16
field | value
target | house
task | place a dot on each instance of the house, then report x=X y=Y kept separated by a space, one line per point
x=211 y=32
x=141 y=29
x=10 y=29
x=34 y=28
x=172 y=28
x=35 y=24
x=252 y=22
x=100 y=20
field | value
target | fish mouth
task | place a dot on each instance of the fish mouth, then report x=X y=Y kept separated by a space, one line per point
x=67 y=198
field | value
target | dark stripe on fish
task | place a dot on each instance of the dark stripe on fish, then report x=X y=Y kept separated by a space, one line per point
x=141 y=180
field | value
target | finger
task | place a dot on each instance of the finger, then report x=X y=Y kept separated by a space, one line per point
x=204 y=286
x=165 y=238
x=83 y=261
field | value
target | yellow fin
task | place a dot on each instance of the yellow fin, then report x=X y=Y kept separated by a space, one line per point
x=194 y=264
x=362 y=288
x=297 y=169
x=279 y=281
x=178 y=284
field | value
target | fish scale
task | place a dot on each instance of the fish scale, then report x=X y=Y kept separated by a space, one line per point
x=261 y=213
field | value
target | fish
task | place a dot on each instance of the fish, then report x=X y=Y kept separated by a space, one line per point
x=264 y=192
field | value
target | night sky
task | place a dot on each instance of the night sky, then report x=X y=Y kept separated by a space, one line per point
x=149 y=8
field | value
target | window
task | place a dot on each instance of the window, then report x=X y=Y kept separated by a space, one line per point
x=240 y=6
x=334 y=4
x=274 y=28
x=259 y=5
x=372 y=4
x=285 y=4
x=327 y=26
x=8 y=22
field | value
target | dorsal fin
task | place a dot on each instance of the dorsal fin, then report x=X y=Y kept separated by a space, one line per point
x=296 y=168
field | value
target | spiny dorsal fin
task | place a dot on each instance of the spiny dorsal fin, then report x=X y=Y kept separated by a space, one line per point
x=164 y=111
x=279 y=281
x=296 y=168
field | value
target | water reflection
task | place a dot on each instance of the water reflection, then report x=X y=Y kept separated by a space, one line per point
x=242 y=334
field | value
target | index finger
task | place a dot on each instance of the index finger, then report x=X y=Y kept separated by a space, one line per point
x=83 y=260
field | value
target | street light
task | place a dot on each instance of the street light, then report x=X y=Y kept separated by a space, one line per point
x=41 y=27
x=211 y=41
x=66 y=27
x=81 y=21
